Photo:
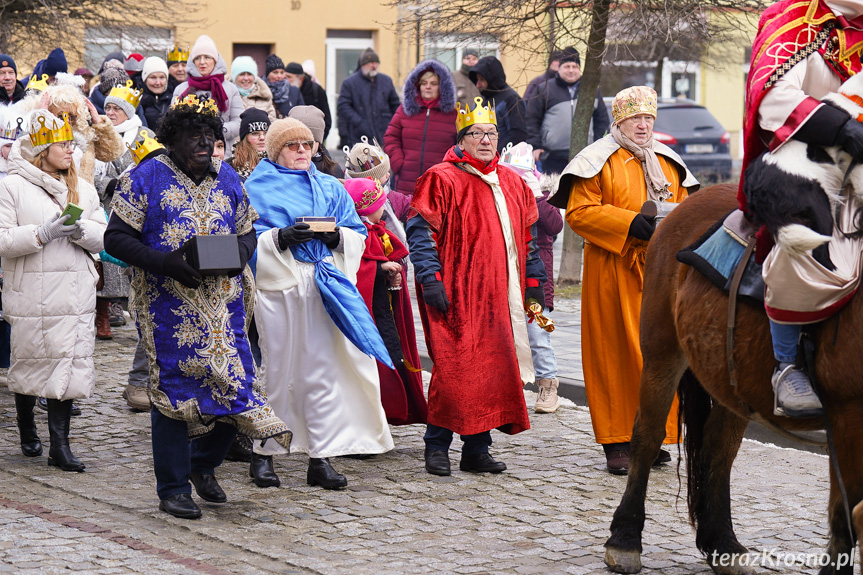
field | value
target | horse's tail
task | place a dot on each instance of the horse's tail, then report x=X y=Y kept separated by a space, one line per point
x=694 y=407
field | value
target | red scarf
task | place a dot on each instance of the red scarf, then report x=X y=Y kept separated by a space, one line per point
x=211 y=84
x=456 y=155
x=393 y=249
x=433 y=103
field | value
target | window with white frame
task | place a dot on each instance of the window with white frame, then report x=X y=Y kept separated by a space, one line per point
x=99 y=41
x=449 y=50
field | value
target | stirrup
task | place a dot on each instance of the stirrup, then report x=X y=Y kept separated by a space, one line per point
x=777 y=409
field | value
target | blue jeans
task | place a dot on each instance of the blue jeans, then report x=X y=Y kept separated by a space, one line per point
x=440 y=438
x=174 y=456
x=544 y=362
x=785 y=338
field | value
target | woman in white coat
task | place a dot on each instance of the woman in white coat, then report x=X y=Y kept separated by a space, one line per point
x=207 y=72
x=49 y=289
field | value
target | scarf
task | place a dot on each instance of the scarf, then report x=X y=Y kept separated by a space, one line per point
x=245 y=93
x=850 y=9
x=657 y=183
x=433 y=103
x=211 y=84
x=280 y=195
x=281 y=91
x=394 y=249
x=456 y=155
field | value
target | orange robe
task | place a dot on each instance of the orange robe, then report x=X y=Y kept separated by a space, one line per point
x=601 y=209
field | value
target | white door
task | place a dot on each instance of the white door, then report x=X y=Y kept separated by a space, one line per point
x=343 y=54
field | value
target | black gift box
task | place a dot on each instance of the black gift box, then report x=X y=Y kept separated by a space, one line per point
x=217 y=255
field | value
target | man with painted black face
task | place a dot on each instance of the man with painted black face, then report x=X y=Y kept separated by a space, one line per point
x=476 y=263
x=192 y=327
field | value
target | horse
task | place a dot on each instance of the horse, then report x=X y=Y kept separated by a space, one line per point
x=683 y=341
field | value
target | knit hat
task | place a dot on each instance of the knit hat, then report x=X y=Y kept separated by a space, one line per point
x=367 y=194
x=243 y=64
x=153 y=64
x=85 y=72
x=134 y=63
x=7 y=62
x=312 y=117
x=55 y=62
x=253 y=120
x=111 y=77
x=273 y=63
x=368 y=57
x=204 y=46
x=569 y=54
x=294 y=68
x=283 y=131
x=118 y=56
x=366 y=160
x=125 y=96
x=470 y=52
x=633 y=101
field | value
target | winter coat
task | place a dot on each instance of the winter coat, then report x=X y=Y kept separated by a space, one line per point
x=155 y=106
x=549 y=224
x=549 y=117
x=231 y=116
x=261 y=98
x=17 y=94
x=49 y=292
x=418 y=137
x=105 y=172
x=285 y=97
x=466 y=91
x=365 y=107
x=508 y=105
x=314 y=95
x=532 y=89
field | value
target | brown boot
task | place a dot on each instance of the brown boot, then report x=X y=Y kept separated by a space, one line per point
x=103 y=320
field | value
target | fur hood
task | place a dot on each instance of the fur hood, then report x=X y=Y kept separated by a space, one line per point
x=410 y=97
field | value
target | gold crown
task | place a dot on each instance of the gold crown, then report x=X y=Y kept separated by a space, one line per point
x=633 y=101
x=480 y=115
x=177 y=54
x=10 y=132
x=35 y=84
x=53 y=134
x=204 y=106
x=143 y=145
x=127 y=93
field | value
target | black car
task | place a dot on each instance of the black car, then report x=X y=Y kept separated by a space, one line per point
x=692 y=132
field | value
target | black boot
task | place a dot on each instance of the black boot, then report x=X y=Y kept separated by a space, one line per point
x=59 y=414
x=30 y=444
x=241 y=449
x=261 y=470
x=322 y=473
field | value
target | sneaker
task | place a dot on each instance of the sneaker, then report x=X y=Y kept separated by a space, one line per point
x=137 y=397
x=115 y=314
x=547 y=401
x=794 y=396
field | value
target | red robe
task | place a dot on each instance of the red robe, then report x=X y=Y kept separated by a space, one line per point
x=476 y=384
x=401 y=390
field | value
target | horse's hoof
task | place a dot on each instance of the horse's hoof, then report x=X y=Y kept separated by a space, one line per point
x=730 y=564
x=622 y=561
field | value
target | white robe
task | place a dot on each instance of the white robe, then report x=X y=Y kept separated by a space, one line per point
x=319 y=383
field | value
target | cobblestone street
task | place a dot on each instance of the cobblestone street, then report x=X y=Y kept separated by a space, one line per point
x=548 y=513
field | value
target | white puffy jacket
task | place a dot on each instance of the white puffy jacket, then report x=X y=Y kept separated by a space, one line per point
x=49 y=292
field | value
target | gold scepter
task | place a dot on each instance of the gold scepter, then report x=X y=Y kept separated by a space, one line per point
x=534 y=312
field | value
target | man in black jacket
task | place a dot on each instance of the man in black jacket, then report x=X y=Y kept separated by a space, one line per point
x=367 y=102
x=313 y=94
x=550 y=112
x=11 y=90
x=489 y=77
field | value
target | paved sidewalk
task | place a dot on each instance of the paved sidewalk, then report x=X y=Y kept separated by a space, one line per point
x=548 y=513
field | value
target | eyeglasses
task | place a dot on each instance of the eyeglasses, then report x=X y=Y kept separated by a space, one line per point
x=295 y=146
x=68 y=145
x=492 y=136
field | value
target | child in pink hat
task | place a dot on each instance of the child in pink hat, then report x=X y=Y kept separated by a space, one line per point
x=382 y=281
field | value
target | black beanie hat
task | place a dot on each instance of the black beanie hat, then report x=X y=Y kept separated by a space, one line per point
x=273 y=63
x=368 y=57
x=6 y=61
x=55 y=63
x=569 y=54
x=294 y=68
x=253 y=120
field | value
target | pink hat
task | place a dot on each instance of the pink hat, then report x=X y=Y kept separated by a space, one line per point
x=367 y=194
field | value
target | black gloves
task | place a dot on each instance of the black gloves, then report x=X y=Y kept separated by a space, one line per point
x=295 y=234
x=850 y=137
x=176 y=267
x=641 y=228
x=536 y=293
x=330 y=239
x=434 y=295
